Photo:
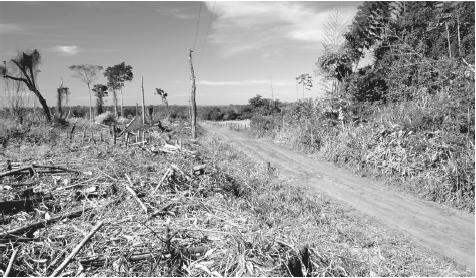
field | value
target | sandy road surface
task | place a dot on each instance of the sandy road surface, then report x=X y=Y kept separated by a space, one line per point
x=445 y=230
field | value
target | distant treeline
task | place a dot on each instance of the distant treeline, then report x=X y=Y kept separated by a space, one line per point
x=211 y=113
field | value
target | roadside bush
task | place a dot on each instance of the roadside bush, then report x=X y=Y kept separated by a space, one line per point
x=264 y=125
x=230 y=115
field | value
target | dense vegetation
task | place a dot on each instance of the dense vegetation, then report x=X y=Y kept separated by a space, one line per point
x=409 y=115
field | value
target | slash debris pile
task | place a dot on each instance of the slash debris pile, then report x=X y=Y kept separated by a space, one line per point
x=156 y=207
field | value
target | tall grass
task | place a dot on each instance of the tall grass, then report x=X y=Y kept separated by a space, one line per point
x=425 y=146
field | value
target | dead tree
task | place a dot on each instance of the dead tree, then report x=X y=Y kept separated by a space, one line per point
x=193 y=105
x=62 y=95
x=27 y=63
x=100 y=91
x=163 y=94
x=143 y=102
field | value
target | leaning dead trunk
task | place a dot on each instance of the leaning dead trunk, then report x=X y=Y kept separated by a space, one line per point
x=44 y=105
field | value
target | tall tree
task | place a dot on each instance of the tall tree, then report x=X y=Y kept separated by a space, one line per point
x=334 y=64
x=88 y=74
x=116 y=76
x=27 y=64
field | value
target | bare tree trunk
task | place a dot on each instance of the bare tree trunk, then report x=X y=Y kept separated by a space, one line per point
x=122 y=103
x=192 y=99
x=114 y=96
x=91 y=113
x=143 y=102
x=297 y=92
x=459 y=36
x=448 y=36
x=44 y=105
x=59 y=108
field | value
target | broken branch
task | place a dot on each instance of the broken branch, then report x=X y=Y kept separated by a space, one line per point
x=76 y=250
x=133 y=193
x=10 y=263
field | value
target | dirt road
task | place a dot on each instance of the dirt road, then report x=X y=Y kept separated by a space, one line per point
x=445 y=230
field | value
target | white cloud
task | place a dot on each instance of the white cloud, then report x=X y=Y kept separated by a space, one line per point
x=176 y=12
x=244 y=26
x=9 y=28
x=243 y=83
x=68 y=50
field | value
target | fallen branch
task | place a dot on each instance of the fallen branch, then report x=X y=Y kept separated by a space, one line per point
x=194 y=252
x=42 y=223
x=18 y=171
x=138 y=143
x=10 y=263
x=76 y=184
x=181 y=172
x=133 y=193
x=166 y=174
x=31 y=170
x=127 y=126
x=55 y=168
x=76 y=250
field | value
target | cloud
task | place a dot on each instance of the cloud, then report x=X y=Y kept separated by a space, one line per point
x=176 y=12
x=67 y=50
x=245 y=26
x=9 y=28
x=243 y=83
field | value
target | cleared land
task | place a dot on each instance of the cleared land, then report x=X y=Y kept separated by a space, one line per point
x=171 y=206
x=445 y=230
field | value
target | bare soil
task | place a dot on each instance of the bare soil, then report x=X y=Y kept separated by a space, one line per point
x=447 y=231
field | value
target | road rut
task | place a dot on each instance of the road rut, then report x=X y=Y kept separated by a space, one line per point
x=445 y=230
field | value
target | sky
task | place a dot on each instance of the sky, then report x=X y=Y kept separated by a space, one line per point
x=240 y=48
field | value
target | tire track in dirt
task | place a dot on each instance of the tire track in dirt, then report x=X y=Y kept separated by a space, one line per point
x=445 y=230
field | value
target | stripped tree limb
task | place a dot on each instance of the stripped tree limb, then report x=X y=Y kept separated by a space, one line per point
x=76 y=250
x=10 y=263
x=133 y=193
